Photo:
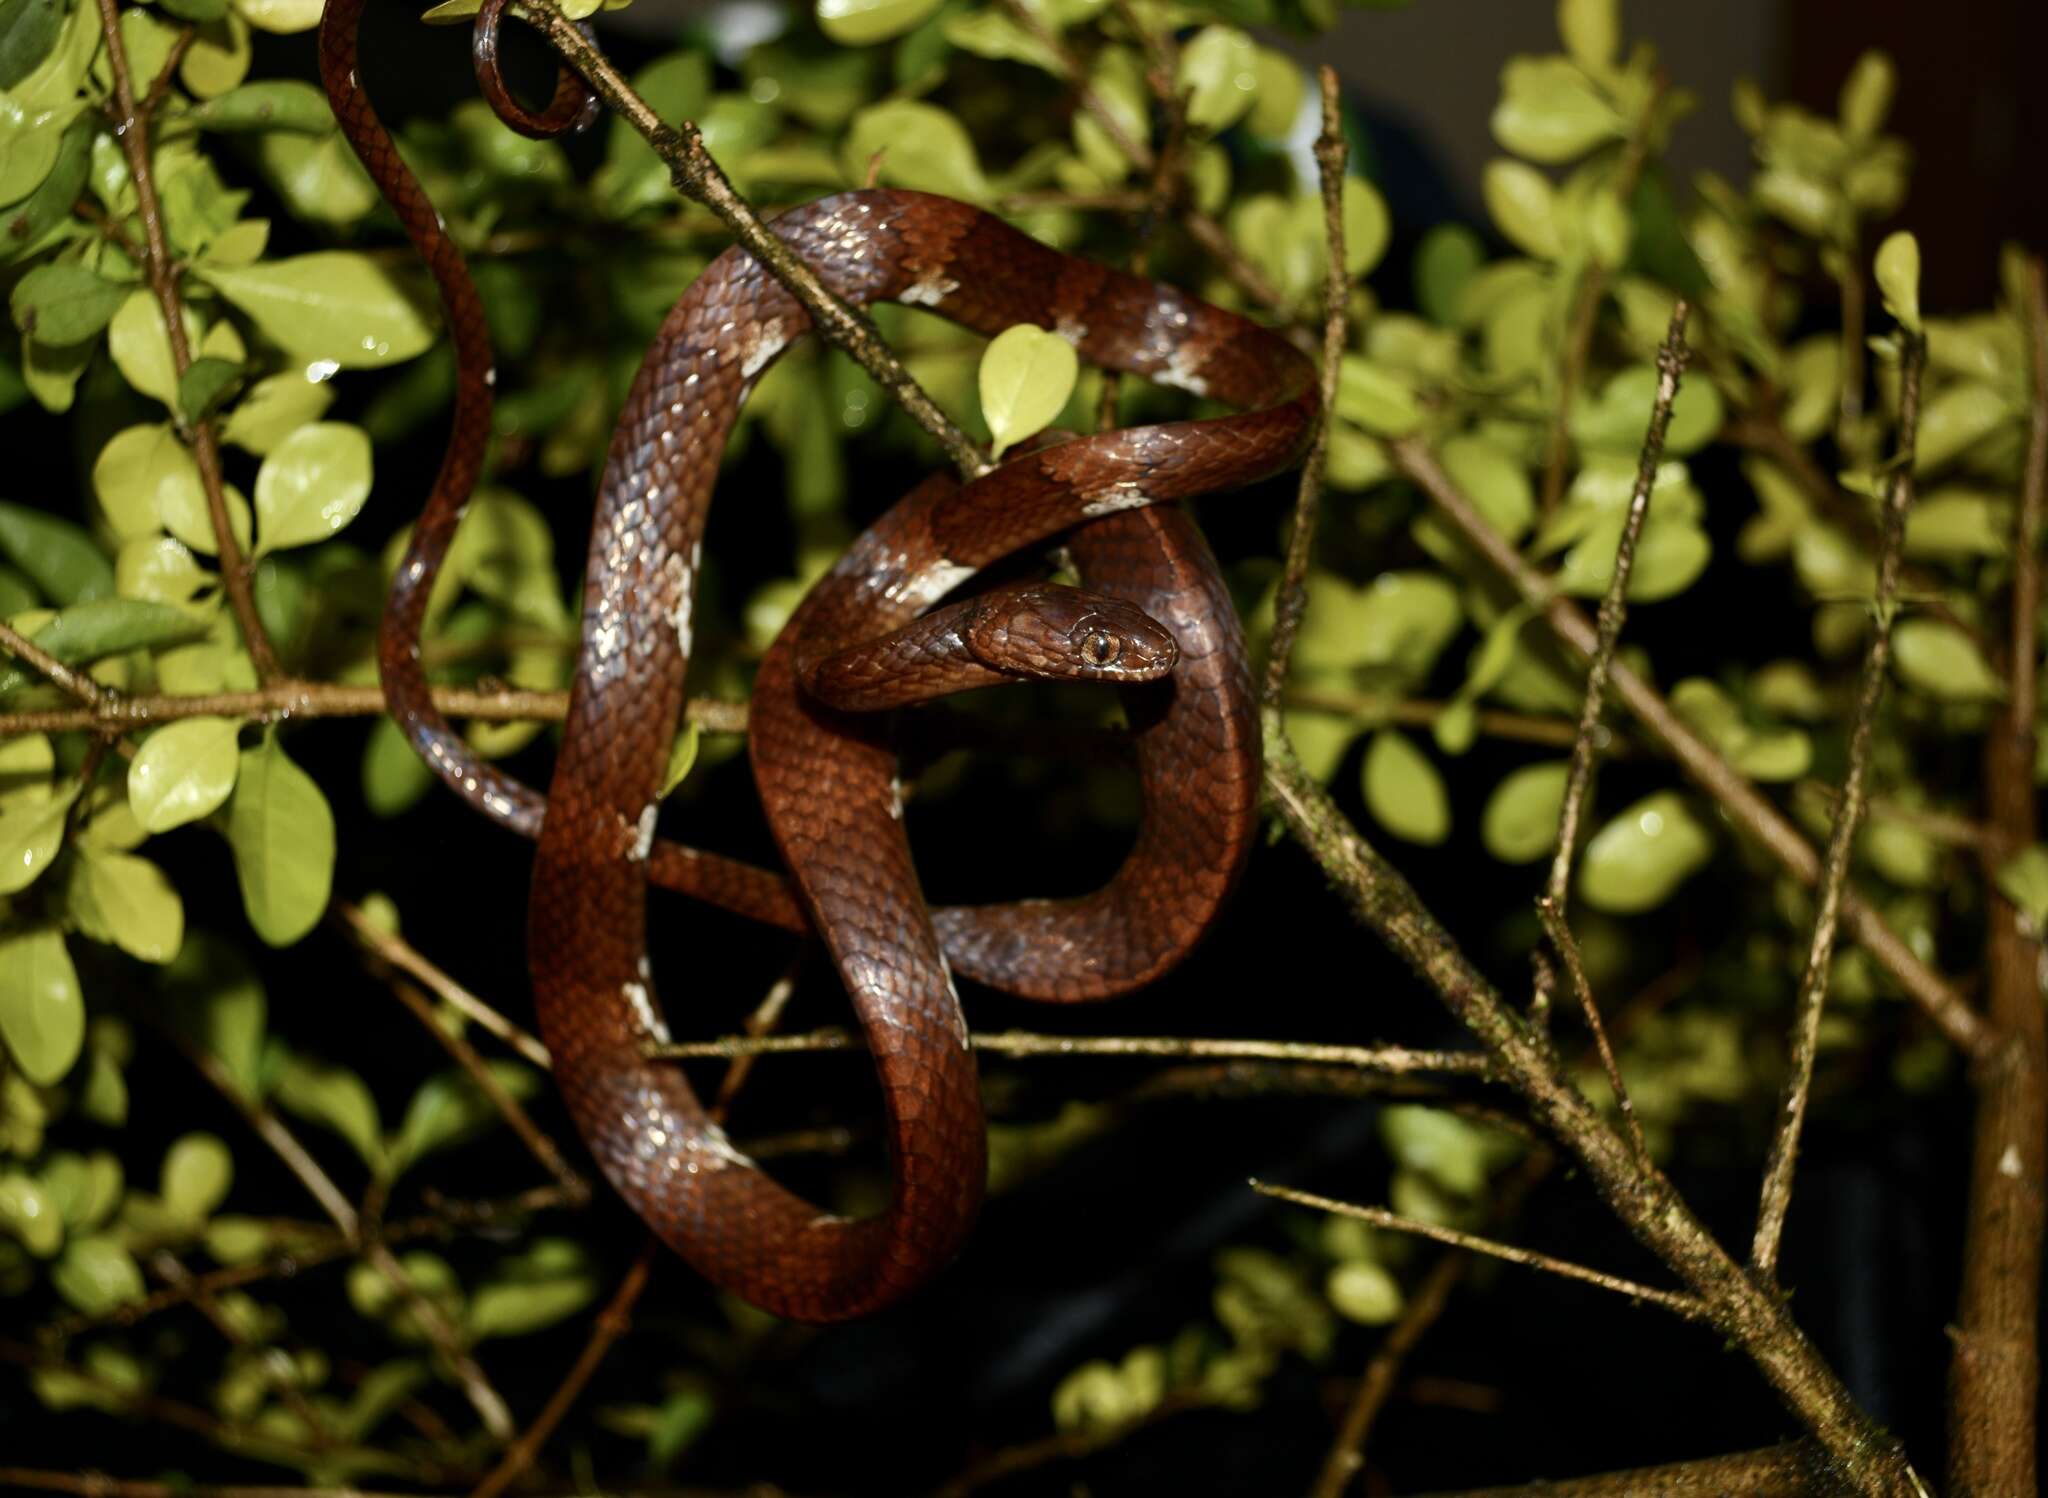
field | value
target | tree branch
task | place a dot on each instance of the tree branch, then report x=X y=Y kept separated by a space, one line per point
x=1614 y=606
x=1995 y=1373
x=115 y=713
x=698 y=177
x=1292 y=600
x=1776 y=1200
x=612 y=1323
x=1748 y=809
x=1393 y=1060
x=1687 y=1306
x=1794 y=1470
x=132 y=131
x=1866 y=1457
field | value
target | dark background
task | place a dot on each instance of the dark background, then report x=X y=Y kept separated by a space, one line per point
x=1525 y=1375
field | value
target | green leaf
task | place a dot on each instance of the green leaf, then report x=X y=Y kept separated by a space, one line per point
x=552 y=1280
x=97 y=1275
x=336 y=1098
x=337 y=307
x=1380 y=399
x=1524 y=207
x=1445 y=262
x=23 y=225
x=128 y=902
x=1867 y=96
x=59 y=557
x=218 y=1001
x=27 y=764
x=1956 y=419
x=28 y=34
x=1026 y=376
x=857 y=23
x=1898 y=278
x=1364 y=1292
x=682 y=757
x=922 y=147
x=1218 y=76
x=394 y=777
x=1367 y=227
x=1957 y=522
x=141 y=345
x=271 y=104
x=273 y=409
x=282 y=834
x=1404 y=790
x=42 y=1013
x=206 y=385
x=450 y=1109
x=2023 y=879
x=1519 y=824
x=144 y=474
x=197 y=1171
x=89 y=632
x=1495 y=481
x=63 y=303
x=85 y=1188
x=1277 y=95
x=1638 y=860
x=183 y=772
x=312 y=484
x=1439 y=1144
x=1591 y=31
x=30 y=1213
x=1942 y=661
x=1549 y=111
x=1616 y=420
x=30 y=837
x=287 y=16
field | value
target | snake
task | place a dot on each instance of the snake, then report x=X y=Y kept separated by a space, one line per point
x=826 y=773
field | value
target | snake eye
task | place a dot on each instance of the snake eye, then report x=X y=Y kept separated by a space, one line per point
x=1103 y=649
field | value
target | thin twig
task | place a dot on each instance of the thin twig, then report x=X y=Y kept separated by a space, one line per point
x=321 y=1246
x=1995 y=1372
x=1750 y=811
x=1395 y=1060
x=393 y=949
x=132 y=131
x=1614 y=605
x=1776 y=1198
x=1291 y=602
x=611 y=1324
x=59 y=675
x=766 y=1016
x=1425 y=1305
x=1868 y=1458
x=1068 y=1445
x=476 y=1387
x=1422 y=712
x=1688 y=1306
x=536 y=1140
x=1794 y=1470
x=1560 y=932
x=115 y=713
x=698 y=177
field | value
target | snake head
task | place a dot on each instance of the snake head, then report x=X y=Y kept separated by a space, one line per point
x=1056 y=633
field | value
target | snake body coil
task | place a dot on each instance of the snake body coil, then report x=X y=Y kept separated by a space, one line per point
x=827 y=777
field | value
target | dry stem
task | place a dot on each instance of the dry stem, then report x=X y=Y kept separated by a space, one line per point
x=1776 y=1199
x=1292 y=600
x=1995 y=1374
x=1688 y=1306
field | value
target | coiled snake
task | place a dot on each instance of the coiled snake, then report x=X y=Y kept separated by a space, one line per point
x=827 y=776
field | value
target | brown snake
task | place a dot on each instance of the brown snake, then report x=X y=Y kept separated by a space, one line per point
x=827 y=777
